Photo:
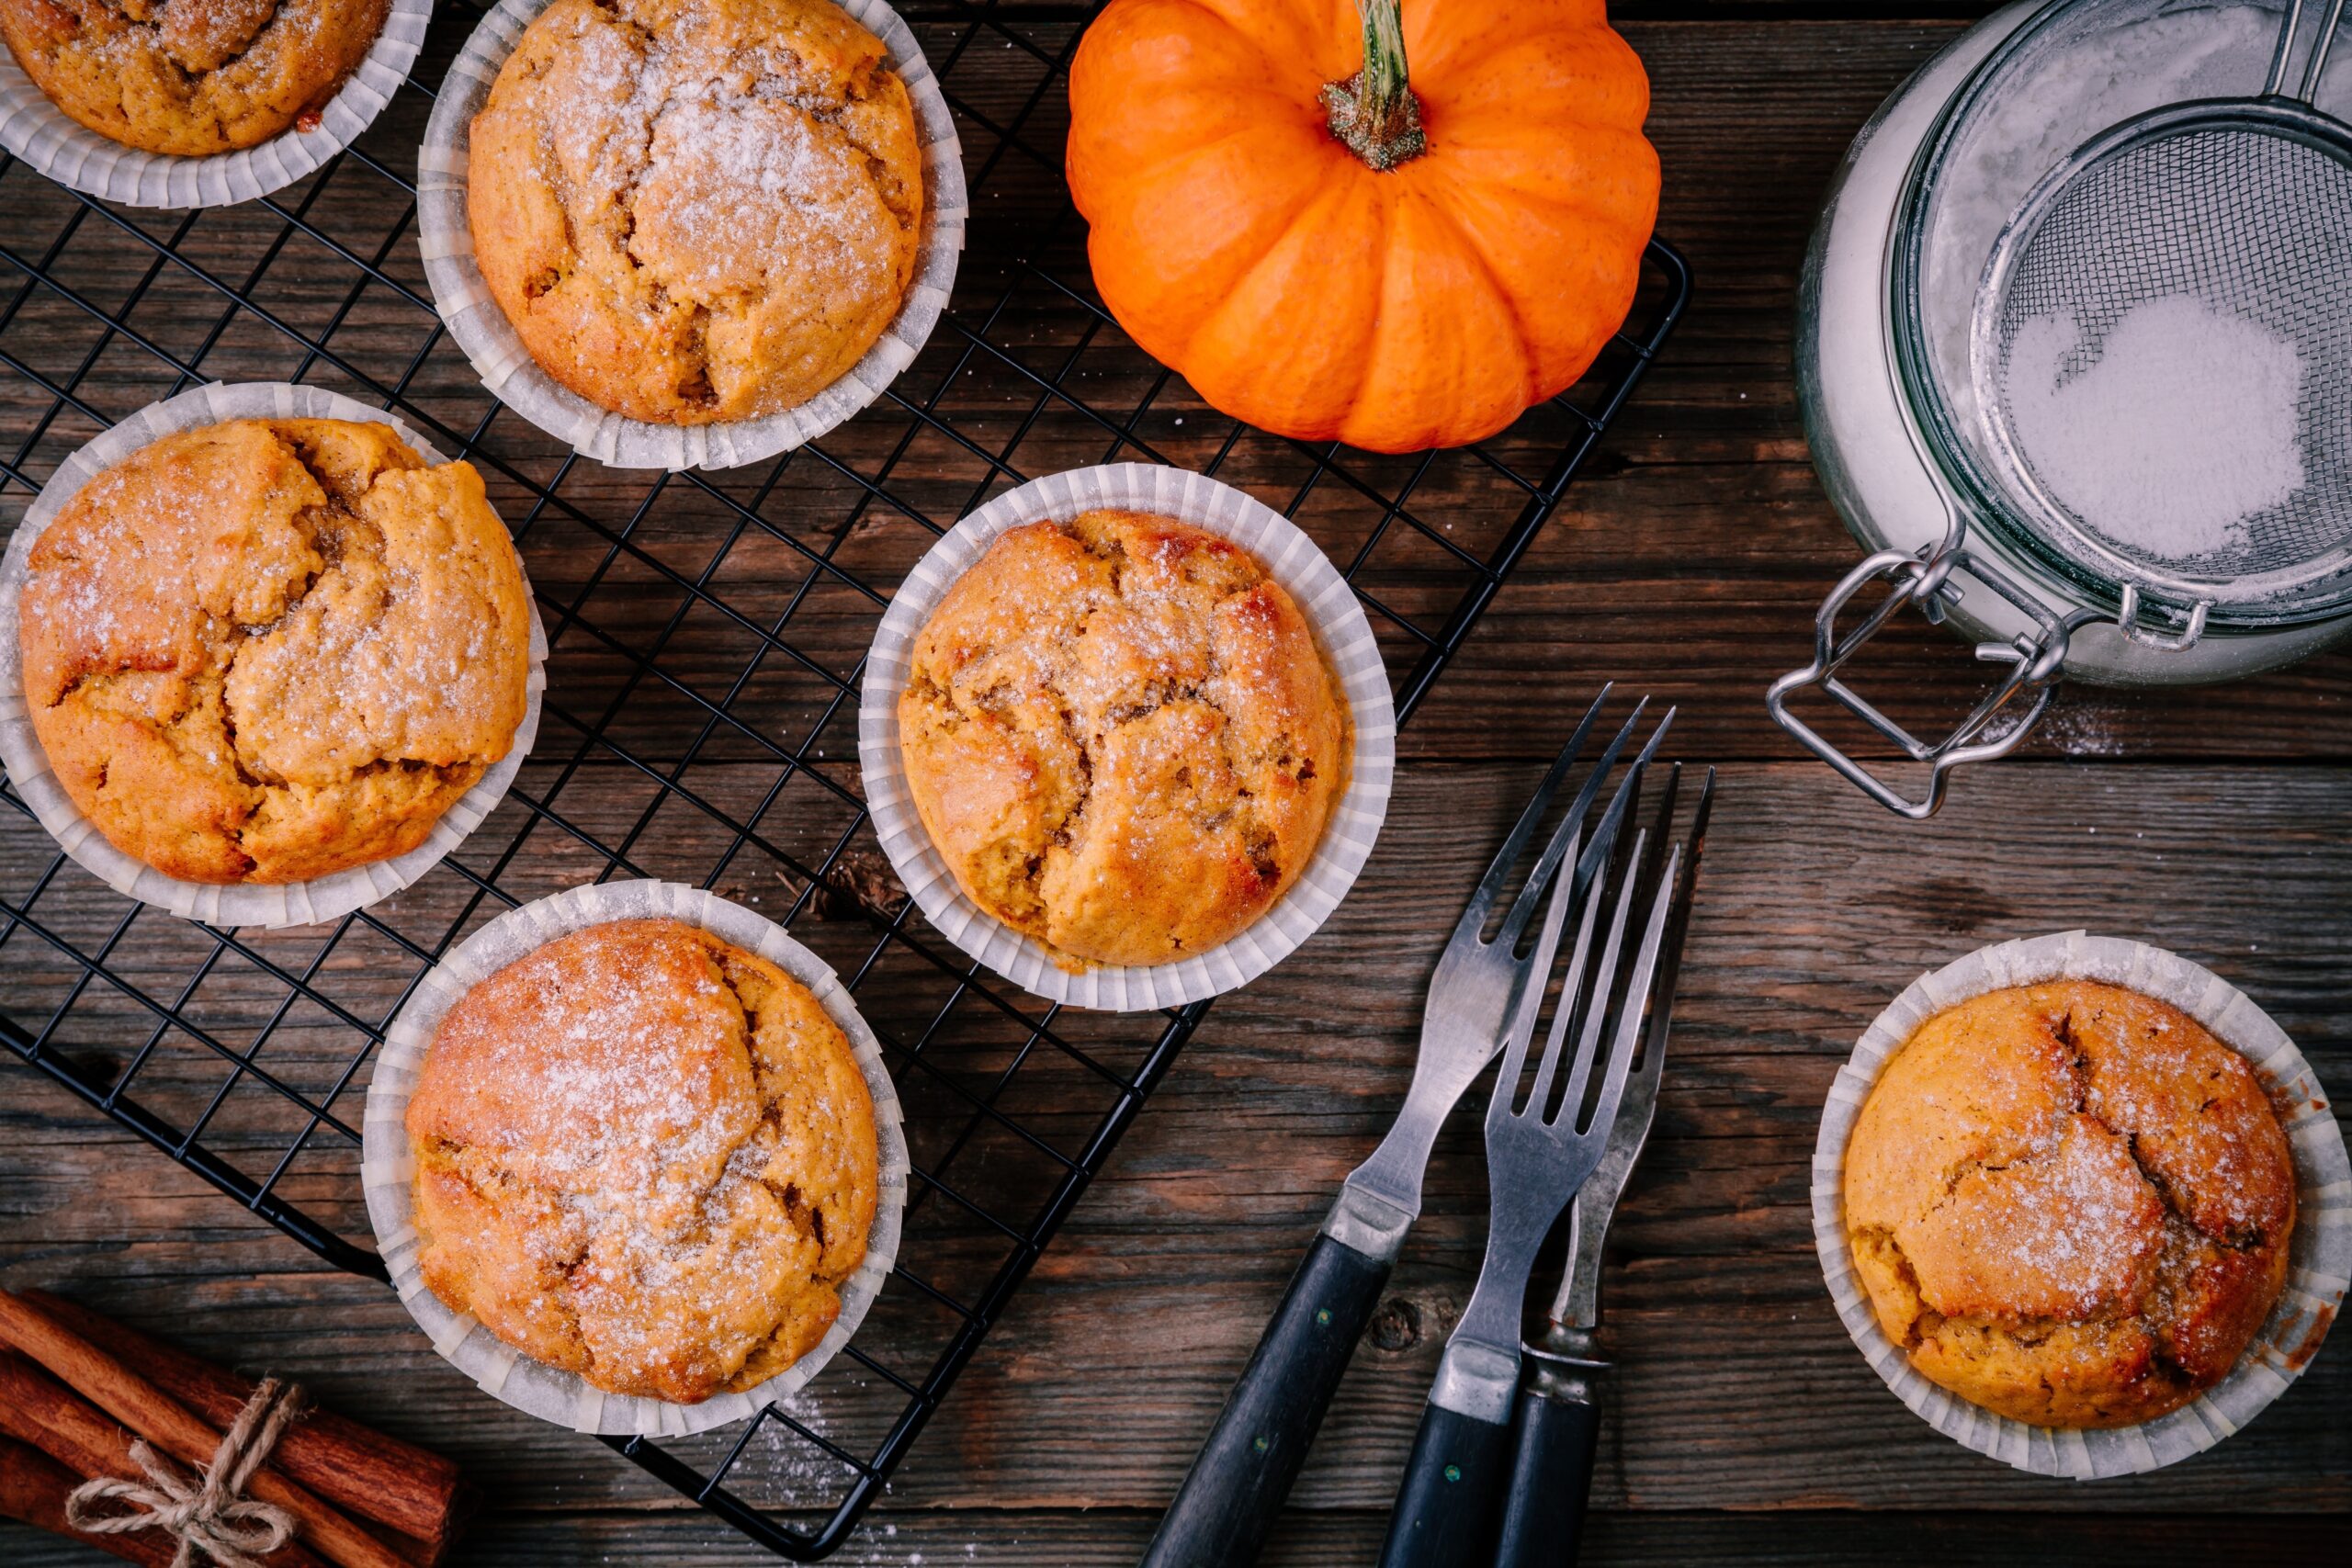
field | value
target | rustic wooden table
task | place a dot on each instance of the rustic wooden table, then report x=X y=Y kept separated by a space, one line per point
x=1743 y=1426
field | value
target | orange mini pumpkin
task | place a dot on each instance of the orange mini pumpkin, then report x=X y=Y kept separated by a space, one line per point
x=1327 y=249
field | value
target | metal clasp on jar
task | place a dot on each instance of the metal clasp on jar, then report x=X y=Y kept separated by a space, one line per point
x=1924 y=580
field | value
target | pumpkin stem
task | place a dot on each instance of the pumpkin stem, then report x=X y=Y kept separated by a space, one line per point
x=1374 y=112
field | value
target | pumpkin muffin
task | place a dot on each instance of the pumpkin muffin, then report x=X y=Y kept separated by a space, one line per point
x=647 y=1156
x=2070 y=1204
x=1122 y=738
x=191 y=77
x=696 y=211
x=269 y=651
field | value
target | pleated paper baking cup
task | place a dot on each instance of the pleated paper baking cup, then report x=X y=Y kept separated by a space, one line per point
x=79 y=158
x=238 y=904
x=1345 y=636
x=2320 y=1254
x=387 y=1169
x=481 y=330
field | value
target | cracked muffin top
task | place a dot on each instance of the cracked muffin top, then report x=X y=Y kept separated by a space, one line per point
x=2070 y=1203
x=191 y=77
x=645 y=1155
x=696 y=211
x=269 y=651
x=1122 y=738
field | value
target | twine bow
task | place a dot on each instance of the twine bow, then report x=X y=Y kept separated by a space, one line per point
x=210 y=1516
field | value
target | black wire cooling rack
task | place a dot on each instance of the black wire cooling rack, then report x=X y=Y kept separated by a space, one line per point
x=708 y=631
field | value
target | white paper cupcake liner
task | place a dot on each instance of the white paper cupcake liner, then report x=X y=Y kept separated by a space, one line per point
x=1324 y=597
x=387 y=1169
x=482 y=331
x=2320 y=1254
x=76 y=156
x=281 y=904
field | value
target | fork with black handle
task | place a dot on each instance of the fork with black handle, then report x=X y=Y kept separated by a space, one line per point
x=1556 y=1427
x=1230 y=1497
x=1540 y=1149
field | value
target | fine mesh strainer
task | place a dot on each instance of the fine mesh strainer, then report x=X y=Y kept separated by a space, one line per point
x=2238 y=210
x=2239 y=207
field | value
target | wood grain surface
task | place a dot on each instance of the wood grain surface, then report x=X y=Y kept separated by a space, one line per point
x=1742 y=1426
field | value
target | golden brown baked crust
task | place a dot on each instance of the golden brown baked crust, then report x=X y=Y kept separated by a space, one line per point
x=2070 y=1203
x=191 y=77
x=268 y=650
x=696 y=210
x=645 y=1155
x=1121 y=735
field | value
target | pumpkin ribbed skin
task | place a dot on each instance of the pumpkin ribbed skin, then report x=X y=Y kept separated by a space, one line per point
x=1237 y=240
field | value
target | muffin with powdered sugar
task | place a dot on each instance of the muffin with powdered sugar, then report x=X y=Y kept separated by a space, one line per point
x=645 y=1155
x=191 y=77
x=2069 y=1203
x=269 y=650
x=1123 y=737
x=696 y=211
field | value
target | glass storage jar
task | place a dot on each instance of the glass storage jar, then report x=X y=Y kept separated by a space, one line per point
x=1882 y=374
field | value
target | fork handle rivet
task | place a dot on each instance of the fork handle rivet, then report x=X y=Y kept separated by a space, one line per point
x=1323 y=1316
x=1453 y=1472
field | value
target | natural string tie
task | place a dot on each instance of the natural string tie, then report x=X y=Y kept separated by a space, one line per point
x=211 y=1516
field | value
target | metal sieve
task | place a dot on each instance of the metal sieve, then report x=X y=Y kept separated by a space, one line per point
x=2244 y=206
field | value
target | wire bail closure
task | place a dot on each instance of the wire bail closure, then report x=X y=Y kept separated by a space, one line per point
x=1923 y=579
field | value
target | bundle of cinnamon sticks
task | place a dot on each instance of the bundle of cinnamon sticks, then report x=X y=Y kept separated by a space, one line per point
x=77 y=1389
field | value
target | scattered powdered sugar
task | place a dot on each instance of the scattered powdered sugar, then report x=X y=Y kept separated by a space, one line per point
x=781 y=1467
x=2077 y=726
x=208 y=52
x=627 y=1090
x=2077 y=1222
x=729 y=169
x=2168 y=433
x=736 y=191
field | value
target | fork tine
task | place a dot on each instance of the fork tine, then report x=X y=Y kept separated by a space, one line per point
x=1596 y=1010
x=1677 y=927
x=1522 y=908
x=1619 y=804
x=1571 y=991
x=1482 y=901
x=1629 y=1025
x=1528 y=997
x=1662 y=828
x=1603 y=845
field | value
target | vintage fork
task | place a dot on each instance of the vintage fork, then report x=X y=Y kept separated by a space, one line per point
x=1229 y=1499
x=1539 y=1151
x=1556 y=1428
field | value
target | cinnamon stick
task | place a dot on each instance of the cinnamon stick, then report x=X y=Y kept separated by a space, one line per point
x=177 y=1430
x=37 y=1409
x=33 y=1489
x=397 y=1484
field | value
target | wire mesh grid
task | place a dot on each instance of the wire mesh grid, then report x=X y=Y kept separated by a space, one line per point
x=2233 y=220
x=706 y=633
